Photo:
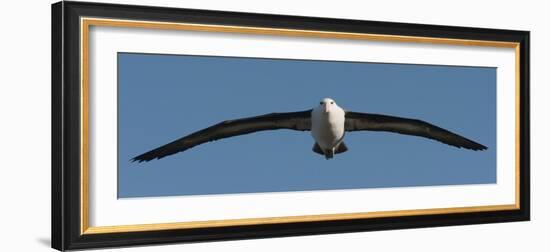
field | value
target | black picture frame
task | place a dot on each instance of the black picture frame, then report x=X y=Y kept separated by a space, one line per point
x=66 y=123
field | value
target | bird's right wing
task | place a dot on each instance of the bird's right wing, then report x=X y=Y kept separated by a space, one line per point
x=292 y=120
x=374 y=122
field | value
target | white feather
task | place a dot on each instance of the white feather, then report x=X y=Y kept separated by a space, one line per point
x=327 y=124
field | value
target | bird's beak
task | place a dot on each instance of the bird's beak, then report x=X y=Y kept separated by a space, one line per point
x=326 y=107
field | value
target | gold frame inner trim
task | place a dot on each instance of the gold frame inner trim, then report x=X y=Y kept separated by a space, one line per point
x=289 y=219
x=86 y=23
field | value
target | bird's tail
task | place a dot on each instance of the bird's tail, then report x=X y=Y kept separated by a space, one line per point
x=328 y=153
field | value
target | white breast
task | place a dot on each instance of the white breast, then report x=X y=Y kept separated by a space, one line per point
x=327 y=128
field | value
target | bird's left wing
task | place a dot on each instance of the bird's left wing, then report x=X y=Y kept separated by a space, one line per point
x=374 y=122
x=292 y=120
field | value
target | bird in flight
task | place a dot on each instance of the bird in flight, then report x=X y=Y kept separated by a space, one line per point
x=327 y=123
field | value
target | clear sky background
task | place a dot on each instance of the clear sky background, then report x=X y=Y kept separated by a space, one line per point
x=165 y=97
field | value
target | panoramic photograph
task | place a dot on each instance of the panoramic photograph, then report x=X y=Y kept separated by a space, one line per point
x=200 y=125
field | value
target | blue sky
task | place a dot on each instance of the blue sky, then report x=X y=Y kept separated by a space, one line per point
x=164 y=97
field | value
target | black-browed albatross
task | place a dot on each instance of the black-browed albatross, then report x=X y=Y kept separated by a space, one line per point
x=327 y=123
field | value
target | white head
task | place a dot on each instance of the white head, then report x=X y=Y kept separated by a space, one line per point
x=327 y=105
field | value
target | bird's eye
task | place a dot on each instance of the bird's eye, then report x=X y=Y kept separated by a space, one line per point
x=331 y=102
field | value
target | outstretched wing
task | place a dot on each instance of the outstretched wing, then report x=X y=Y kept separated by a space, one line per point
x=373 y=122
x=293 y=120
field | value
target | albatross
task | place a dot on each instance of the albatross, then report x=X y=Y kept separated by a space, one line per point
x=328 y=124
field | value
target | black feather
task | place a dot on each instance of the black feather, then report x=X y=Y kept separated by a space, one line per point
x=292 y=120
x=373 y=122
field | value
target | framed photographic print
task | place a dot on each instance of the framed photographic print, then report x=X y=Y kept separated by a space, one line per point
x=181 y=125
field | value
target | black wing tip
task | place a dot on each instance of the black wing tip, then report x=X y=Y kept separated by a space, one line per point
x=481 y=148
x=474 y=146
x=142 y=158
x=149 y=156
x=137 y=159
